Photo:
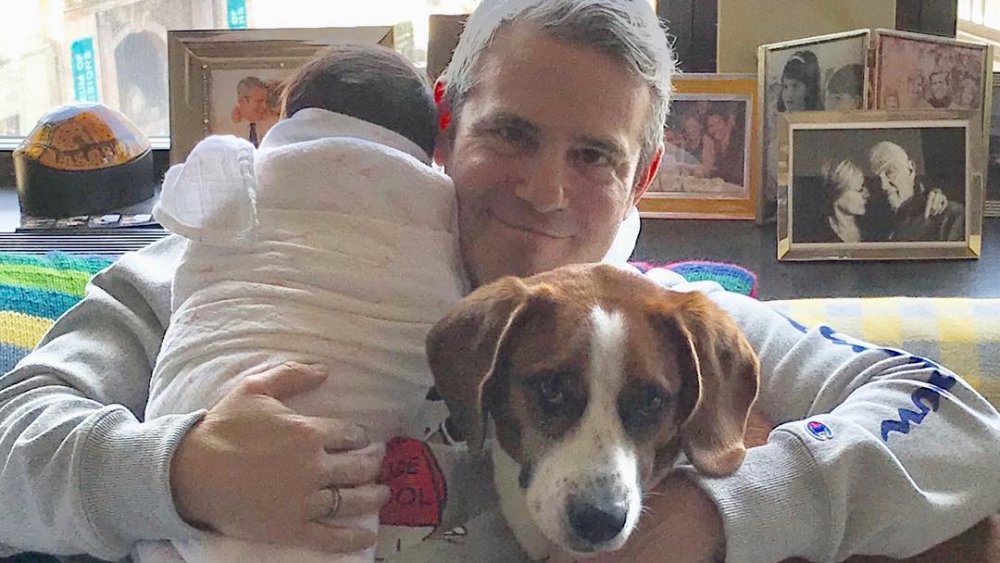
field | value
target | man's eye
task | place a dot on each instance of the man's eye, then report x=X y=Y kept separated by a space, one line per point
x=593 y=157
x=512 y=135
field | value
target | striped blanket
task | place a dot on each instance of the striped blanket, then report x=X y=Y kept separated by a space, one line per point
x=34 y=291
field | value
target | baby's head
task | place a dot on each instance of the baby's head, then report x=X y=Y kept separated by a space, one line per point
x=368 y=82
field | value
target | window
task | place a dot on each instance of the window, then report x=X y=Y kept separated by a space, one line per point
x=979 y=20
x=115 y=51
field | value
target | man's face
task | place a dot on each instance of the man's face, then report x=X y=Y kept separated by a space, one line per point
x=544 y=155
x=939 y=86
x=253 y=105
x=897 y=181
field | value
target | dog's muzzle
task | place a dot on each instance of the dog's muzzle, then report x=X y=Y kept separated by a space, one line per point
x=596 y=519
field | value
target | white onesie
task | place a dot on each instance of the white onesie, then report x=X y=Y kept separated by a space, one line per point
x=334 y=243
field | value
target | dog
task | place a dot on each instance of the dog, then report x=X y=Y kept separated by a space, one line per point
x=596 y=379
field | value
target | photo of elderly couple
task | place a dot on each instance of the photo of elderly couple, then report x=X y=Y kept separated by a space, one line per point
x=879 y=185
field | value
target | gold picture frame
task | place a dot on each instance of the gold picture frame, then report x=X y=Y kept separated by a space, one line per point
x=822 y=58
x=873 y=215
x=208 y=68
x=711 y=139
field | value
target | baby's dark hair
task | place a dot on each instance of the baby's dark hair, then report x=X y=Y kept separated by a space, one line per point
x=369 y=82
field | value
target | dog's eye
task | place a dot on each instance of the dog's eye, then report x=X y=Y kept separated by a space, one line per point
x=551 y=392
x=652 y=404
x=642 y=408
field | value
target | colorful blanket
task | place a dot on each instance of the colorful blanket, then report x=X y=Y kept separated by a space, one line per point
x=34 y=291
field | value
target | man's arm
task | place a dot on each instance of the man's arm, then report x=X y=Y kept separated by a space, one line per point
x=911 y=457
x=78 y=471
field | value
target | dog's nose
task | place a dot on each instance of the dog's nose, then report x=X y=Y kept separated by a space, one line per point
x=597 y=522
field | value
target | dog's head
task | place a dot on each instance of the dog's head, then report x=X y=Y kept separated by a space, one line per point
x=596 y=379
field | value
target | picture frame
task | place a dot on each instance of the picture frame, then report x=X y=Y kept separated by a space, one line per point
x=709 y=166
x=914 y=71
x=810 y=67
x=991 y=208
x=208 y=68
x=856 y=185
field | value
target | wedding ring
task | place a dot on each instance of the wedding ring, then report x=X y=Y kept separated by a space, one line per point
x=337 y=500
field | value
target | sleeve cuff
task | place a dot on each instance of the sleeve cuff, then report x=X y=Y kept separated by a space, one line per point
x=125 y=480
x=774 y=506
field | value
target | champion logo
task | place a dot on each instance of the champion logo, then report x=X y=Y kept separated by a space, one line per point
x=819 y=430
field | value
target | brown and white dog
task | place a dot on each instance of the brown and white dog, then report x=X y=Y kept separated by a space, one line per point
x=596 y=379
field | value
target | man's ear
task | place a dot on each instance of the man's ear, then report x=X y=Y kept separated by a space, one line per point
x=647 y=175
x=442 y=145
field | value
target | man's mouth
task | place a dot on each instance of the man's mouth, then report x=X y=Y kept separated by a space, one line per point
x=529 y=229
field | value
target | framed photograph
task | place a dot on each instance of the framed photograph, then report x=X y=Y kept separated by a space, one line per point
x=992 y=206
x=880 y=185
x=709 y=166
x=828 y=72
x=229 y=81
x=916 y=71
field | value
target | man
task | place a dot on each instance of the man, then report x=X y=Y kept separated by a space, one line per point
x=553 y=112
x=940 y=97
x=914 y=221
x=252 y=108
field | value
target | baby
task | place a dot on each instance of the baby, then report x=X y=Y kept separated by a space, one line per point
x=334 y=243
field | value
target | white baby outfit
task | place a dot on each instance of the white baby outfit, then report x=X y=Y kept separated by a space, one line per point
x=334 y=243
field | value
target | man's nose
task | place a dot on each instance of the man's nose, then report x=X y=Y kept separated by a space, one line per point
x=544 y=183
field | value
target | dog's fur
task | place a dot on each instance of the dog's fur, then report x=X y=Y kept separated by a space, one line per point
x=596 y=379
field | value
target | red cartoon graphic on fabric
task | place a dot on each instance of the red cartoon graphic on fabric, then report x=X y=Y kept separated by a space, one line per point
x=418 y=487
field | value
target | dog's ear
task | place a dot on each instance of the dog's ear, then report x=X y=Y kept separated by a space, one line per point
x=722 y=384
x=463 y=350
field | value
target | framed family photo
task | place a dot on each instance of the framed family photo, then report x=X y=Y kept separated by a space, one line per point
x=230 y=81
x=992 y=206
x=880 y=185
x=709 y=166
x=827 y=72
x=916 y=71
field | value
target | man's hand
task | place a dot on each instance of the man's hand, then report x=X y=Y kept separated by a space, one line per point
x=253 y=469
x=937 y=202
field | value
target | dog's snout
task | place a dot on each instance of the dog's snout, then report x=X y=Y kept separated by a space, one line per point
x=597 y=522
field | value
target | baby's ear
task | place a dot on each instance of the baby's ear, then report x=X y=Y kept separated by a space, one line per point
x=210 y=198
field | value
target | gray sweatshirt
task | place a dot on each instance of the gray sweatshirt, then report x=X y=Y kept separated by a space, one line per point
x=876 y=452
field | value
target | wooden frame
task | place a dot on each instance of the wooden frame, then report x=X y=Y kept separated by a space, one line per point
x=688 y=185
x=206 y=66
x=819 y=143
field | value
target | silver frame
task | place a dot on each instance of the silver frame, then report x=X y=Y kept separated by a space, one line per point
x=991 y=207
x=193 y=55
x=762 y=68
x=975 y=153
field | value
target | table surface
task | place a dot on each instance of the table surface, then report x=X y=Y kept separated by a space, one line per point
x=666 y=240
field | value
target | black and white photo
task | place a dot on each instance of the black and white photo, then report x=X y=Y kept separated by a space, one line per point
x=863 y=188
x=814 y=74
